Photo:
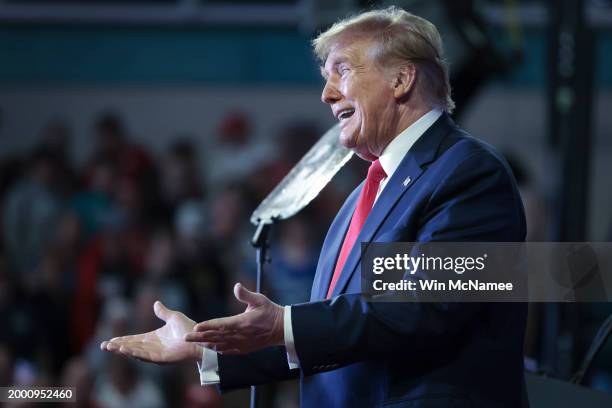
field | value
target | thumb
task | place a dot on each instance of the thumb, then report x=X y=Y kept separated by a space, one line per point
x=161 y=311
x=246 y=296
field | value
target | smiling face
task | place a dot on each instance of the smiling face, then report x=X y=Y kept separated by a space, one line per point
x=363 y=97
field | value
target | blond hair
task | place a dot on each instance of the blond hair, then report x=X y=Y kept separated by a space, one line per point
x=400 y=37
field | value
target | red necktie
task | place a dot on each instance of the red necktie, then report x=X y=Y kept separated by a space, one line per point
x=364 y=205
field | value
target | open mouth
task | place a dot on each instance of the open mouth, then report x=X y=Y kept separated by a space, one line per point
x=344 y=114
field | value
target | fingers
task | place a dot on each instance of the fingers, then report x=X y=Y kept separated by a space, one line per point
x=212 y=336
x=132 y=337
x=111 y=346
x=148 y=352
x=140 y=353
x=226 y=324
x=161 y=311
x=115 y=343
x=221 y=342
x=246 y=296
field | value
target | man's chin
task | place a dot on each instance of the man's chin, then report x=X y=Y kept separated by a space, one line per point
x=347 y=141
x=367 y=156
x=350 y=143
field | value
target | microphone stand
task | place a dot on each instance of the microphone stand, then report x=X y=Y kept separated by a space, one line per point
x=261 y=243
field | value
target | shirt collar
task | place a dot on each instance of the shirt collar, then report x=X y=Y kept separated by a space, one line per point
x=395 y=151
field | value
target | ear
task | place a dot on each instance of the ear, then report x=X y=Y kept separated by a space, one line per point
x=404 y=81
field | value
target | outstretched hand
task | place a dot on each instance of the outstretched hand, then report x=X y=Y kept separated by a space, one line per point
x=162 y=346
x=259 y=326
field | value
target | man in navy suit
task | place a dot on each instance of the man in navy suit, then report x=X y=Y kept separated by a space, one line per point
x=387 y=83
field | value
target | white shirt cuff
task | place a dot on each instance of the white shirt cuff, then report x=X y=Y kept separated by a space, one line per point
x=209 y=367
x=292 y=357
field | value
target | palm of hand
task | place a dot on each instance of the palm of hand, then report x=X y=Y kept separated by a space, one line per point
x=164 y=345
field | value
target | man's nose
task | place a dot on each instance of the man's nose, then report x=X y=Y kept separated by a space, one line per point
x=330 y=94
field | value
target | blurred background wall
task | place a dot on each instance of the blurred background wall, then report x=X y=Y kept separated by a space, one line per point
x=147 y=131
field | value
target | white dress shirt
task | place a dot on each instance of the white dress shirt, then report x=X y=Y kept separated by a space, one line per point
x=390 y=160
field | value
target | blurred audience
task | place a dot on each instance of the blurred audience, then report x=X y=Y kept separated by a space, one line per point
x=294 y=256
x=111 y=140
x=6 y=374
x=236 y=152
x=78 y=374
x=31 y=212
x=56 y=138
x=180 y=176
x=84 y=252
x=122 y=386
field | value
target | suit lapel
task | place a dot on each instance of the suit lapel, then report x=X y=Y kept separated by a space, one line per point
x=410 y=169
x=331 y=249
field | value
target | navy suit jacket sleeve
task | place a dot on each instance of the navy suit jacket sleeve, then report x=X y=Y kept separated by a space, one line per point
x=260 y=367
x=476 y=201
